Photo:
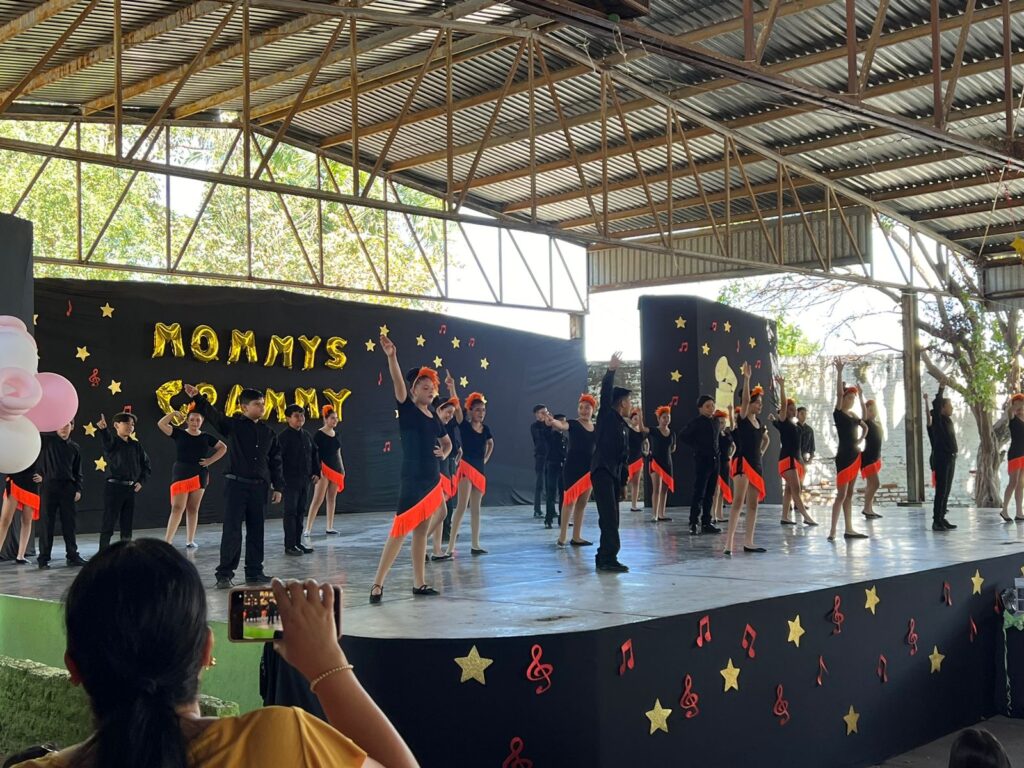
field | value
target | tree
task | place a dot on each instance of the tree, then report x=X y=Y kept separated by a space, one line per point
x=791 y=339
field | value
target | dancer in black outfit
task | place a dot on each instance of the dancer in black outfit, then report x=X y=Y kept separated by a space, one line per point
x=871 y=458
x=61 y=468
x=848 y=429
x=538 y=432
x=662 y=441
x=190 y=473
x=576 y=478
x=21 y=490
x=300 y=465
x=945 y=449
x=635 y=457
x=127 y=469
x=420 y=495
x=791 y=468
x=702 y=435
x=557 y=451
x=445 y=411
x=726 y=447
x=332 y=472
x=606 y=467
x=751 y=438
x=1015 y=459
x=471 y=479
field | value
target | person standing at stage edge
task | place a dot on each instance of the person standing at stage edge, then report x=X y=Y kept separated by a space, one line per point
x=254 y=468
x=300 y=465
x=611 y=440
x=944 y=449
x=128 y=468
x=701 y=434
x=60 y=464
x=539 y=432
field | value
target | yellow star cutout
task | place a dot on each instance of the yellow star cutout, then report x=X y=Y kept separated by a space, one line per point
x=851 y=719
x=795 y=631
x=420 y=341
x=731 y=675
x=706 y=349
x=676 y=375
x=107 y=310
x=437 y=362
x=936 y=659
x=871 y=599
x=89 y=429
x=484 y=363
x=82 y=353
x=114 y=387
x=1018 y=245
x=728 y=327
x=456 y=343
x=370 y=346
x=752 y=342
x=463 y=381
x=658 y=717
x=473 y=666
x=384 y=330
x=35 y=319
x=101 y=464
x=977 y=580
x=680 y=322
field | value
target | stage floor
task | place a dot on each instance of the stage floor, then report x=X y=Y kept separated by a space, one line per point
x=528 y=586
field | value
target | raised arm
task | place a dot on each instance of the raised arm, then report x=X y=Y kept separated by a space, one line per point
x=927 y=411
x=937 y=402
x=220 y=422
x=165 y=424
x=449 y=382
x=562 y=425
x=781 y=381
x=840 y=384
x=608 y=384
x=397 y=377
x=745 y=397
x=105 y=437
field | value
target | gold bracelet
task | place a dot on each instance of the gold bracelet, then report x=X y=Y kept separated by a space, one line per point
x=324 y=675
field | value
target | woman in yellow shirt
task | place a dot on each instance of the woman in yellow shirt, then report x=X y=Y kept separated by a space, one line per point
x=137 y=640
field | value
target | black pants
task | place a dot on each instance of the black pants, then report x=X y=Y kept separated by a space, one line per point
x=118 y=507
x=606 y=494
x=296 y=505
x=705 y=480
x=945 y=468
x=538 y=488
x=244 y=503
x=57 y=498
x=553 y=483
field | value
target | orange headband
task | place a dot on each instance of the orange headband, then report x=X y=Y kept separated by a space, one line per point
x=850 y=391
x=662 y=409
x=1017 y=397
x=721 y=414
x=790 y=401
x=327 y=410
x=757 y=391
x=869 y=402
x=429 y=373
x=473 y=398
x=452 y=401
x=588 y=398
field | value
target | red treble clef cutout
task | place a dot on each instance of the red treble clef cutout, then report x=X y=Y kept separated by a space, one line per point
x=688 y=701
x=837 y=616
x=781 y=706
x=515 y=758
x=912 y=637
x=538 y=671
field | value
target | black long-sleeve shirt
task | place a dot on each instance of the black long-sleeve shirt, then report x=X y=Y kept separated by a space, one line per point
x=60 y=461
x=701 y=434
x=806 y=440
x=254 y=452
x=126 y=459
x=300 y=460
x=942 y=433
x=610 y=438
x=539 y=433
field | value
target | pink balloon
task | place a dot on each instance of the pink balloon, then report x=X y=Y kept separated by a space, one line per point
x=20 y=391
x=10 y=321
x=58 y=405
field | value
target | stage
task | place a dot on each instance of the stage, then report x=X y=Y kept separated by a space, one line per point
x=528 y=604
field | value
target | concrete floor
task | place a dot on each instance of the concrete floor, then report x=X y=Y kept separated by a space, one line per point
x=936 y=755
x=526 y=585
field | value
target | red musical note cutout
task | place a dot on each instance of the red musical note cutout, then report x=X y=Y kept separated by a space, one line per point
x=912 y=637
x=472 y=341
x=972 y=630
x=781 y=707
x=947 y=596
x=688 y=701
x=757 y=364
x=387 y=446
x=94 y=378
x=515 y=758
x=714 y=325
x=737 y=347
x=70 y=308
x=380 y=378
x=684 y=347
x=822 y=670
x=674 y=401
x=882 y=670
x=837 y=616
x=628 y=661
x=704 y=632
x=443 y=330
x=749 y=636
x=537 y=670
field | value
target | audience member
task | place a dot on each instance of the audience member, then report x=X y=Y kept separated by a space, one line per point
x=977 y=748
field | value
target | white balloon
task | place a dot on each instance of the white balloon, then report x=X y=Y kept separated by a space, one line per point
x=18 y=350
x=19 y=445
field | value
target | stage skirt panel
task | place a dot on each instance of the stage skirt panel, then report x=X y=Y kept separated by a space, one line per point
x=576 y=490
x=186 y=478
x=726 y=489
x=1014 y=464
x=336 y=477
x=665 y=475
x=753 y=475
x=476 y=478
x=846 y=475
x=415 y=507
x=867 y=470
x=791 y=462
x=635 y=467
x=24 y=496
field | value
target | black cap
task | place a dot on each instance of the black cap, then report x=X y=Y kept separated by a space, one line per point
x=125 y=416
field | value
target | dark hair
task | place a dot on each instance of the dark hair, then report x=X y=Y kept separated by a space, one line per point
x=136 y=629
x=124 y=417
x=539 y=407
x=293 y=408
x=248 y=395
x=703 y=399
x=977 y=748
x=801 y=408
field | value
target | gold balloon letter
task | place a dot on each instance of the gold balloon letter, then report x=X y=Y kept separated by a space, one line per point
x=309 y=346
x=240 y=341
x=280 y=345
x=336 y=359
x=165 y=392
x=275 y=402
x=231 y=406
x=308 y=400
x=205 y=344
x=207 y=391
x=337 y=398
x=167 y=333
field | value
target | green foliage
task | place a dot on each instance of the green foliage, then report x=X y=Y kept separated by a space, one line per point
x=792 y=340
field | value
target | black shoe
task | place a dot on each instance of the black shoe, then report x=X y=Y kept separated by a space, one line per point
x=855 y=535
x=223 y=582
x=478 y=551
x=753 y=549
x=259 y=578
x=425 y=591
x=44 y=565
x=614 y=566
x=294 y=552
x=20 y=561
x=948 y=525
x=376 y=598
x=694 y=530
x=581 y=543
x=938 y=526
x=537 y=513
x=710 y=528
x=76 y=560
x=547 y=524
x=305 y=550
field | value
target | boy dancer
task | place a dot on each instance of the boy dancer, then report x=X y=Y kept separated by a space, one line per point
x=701 y=434
x=606 y=466
x=944 y=451
x=254 y=468
x=300 y=463
x=60 y=464
x=127 y=469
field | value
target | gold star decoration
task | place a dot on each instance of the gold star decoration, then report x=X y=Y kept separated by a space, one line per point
x=680 y=322
x=977 y=580
x=731 y=675
x=89 y=429
x=1018 y=245
x=456 y=343
x=658 y=717
x=473 y=666
x=114 y=387
x=728 y=327
x=675 y=375
x=484 y=363
x=82 y=353
x=795 y=631
x=437 y=362
x=107 y=310
x=101 y=464
x=463 y=381
x=370 y=346
x=871 y=599
x=706 y=349
x=752 y=342
x=35 y=319
x=420 y=341
x=384 y=330
x=851 y=719
x=134 y=437
x=936 y=659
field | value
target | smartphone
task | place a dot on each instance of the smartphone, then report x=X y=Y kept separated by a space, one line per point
x=253 y=616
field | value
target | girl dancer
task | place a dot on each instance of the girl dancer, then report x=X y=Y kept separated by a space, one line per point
x=635 y=458
x=1014 y=458
x=871 y=458
x=420 y=496
x=190 y=473
x=747 y=476
x=726 y=446
x=445 y=411
x=791 y=468
x=663 y=444
x=576 y=475
x=21 y=491
x=470 y=479
x=848 y=425
x=332 y=472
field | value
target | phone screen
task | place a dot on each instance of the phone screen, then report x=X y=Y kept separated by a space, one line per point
x=253 y=616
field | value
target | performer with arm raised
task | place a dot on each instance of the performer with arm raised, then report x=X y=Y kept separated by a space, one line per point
x=190 y=473
x=748 y=477
x=1015 y=458
x=848 y=458
x=945 y=449
x=610 y=447
x=128 y=468
x=791 y=468
x=871 y=458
